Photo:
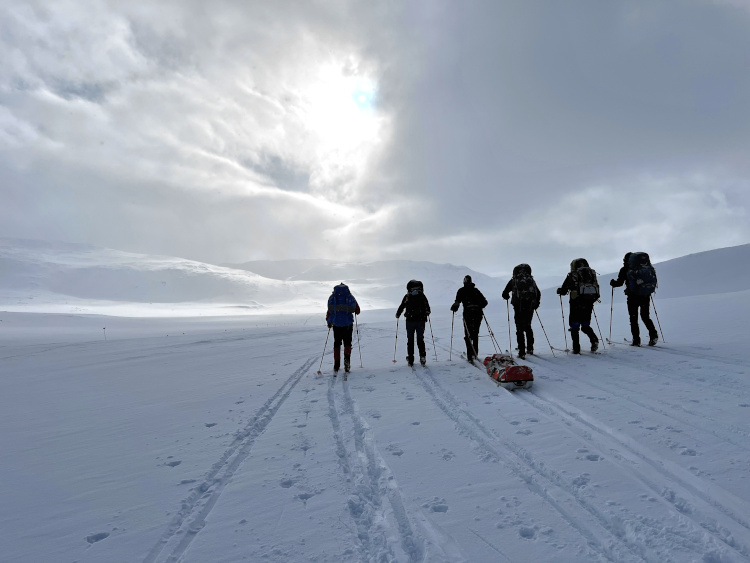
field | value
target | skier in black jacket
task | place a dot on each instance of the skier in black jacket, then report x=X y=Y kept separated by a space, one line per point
x=473 y=301
x=417 y=310
x=636 y=302
x=581 y=307
x=525 y=300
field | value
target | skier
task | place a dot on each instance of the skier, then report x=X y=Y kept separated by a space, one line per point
x=584 y=292
x=473 y=302
x=638 y=291
x=341 y=310
x=525 y=300
x=417 y=310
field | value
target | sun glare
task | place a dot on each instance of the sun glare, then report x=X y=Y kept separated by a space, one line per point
x=342 y=108
x=342 y=116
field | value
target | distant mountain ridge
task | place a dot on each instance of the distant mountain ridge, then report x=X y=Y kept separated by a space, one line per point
x=45 y=276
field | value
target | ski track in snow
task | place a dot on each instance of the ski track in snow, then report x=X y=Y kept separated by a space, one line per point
x=191 y=517
x=709 y=425
x=384 y=525
x=692 y=498
x=587 y=520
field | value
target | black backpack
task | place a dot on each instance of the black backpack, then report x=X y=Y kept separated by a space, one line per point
x=586 y=284
x=525 y=291
x=641 y=275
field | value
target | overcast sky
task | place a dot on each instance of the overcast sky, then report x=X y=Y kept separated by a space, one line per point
x=481 y=133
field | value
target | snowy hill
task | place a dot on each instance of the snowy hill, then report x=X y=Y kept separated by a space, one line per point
x=218 y=439
x=60 y=277
x=715 y=271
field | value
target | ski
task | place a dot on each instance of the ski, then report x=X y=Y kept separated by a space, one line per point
x=630 y=342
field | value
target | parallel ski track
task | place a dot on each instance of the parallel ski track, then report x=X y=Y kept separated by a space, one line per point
x=682 y=352
x=371 y=485
x=674 y=485
x=522 y=462
x=709 y=427
x=191 y=517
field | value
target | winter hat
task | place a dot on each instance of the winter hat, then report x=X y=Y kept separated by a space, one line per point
x=467 y=279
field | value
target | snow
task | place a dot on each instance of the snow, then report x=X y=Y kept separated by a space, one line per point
x=213 y=438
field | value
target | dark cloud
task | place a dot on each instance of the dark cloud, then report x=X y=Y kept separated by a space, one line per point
x=496 y=132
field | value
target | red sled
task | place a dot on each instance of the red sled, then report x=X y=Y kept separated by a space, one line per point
x=504 y=370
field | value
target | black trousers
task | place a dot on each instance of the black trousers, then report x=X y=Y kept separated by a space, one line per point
x=472 y=322
x=524 y=334
x=642 y=303
x=412 y=328
x=580 y=320
x=341 y=334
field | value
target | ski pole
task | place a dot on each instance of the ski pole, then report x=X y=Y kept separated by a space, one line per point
x=492 y=334
x=600 y=328
x=433 y=338
x=450 y=354
x=657 y=319
x=545 y=334
x=510 y=341
x=562 y=312
x=324 y=350
x=396 y=344
x=611 y=308
x=358 y=345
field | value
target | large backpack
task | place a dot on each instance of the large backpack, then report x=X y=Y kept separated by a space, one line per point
x=586 y=284
x=641 y=275
x=525 y=292
x=342 y=306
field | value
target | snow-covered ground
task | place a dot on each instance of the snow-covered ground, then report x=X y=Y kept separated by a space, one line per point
x=214 y=439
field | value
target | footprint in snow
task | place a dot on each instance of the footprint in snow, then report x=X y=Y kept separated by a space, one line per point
x=527 y=532
x=394 y=450
x=593 y=457
x=210 y=424
x=437 y=504
x=173 y=463
x=582 y=480
x=93 y=538
x=688 y=451
x=286 y=483
x=524 y=432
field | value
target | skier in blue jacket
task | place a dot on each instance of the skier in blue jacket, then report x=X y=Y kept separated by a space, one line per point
x=341 y=310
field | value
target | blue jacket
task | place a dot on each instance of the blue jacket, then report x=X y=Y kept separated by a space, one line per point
x=342 y=307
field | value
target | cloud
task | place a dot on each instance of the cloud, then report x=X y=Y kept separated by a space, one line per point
x=487 y=133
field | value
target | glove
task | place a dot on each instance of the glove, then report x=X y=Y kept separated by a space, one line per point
x=329 y=325
x=561 y=291
x=398 y=316
x=506 y=297
x=454 y=307
x=613 y=283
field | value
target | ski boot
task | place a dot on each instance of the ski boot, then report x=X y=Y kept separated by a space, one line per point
x=636 y=342
x=347 y=363
x=594 y=345
x=530 y=351
x=653 y=340
x=410 y=360
x=423 y=360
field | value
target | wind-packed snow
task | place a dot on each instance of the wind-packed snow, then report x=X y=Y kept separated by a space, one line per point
x=214 y=439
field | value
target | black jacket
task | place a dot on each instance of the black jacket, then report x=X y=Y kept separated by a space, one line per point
x=417 y=307
x=471 y=298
